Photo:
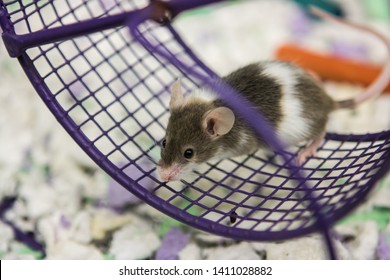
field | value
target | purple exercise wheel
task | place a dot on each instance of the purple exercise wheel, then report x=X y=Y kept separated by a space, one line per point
x=104 y=70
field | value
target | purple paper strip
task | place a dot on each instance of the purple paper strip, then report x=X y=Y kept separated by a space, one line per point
x=173 y=242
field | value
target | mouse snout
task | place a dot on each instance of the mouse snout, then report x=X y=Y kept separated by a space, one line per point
x=169 y=173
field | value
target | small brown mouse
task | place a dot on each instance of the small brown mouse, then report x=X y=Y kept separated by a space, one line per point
x=201 y=127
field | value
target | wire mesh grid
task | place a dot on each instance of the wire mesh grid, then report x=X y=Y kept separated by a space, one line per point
x=111 y=94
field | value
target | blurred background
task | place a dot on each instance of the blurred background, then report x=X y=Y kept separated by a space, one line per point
x=57 y=204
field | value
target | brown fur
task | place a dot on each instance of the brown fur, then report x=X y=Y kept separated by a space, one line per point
x=186 y=129
x=185 y=124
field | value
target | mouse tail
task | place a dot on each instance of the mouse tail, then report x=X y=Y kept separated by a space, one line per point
x=381 y=82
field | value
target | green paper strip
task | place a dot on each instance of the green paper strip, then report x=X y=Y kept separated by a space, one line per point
x=24 y=250
x=167 y=224
x=205 y=10
x=377 y=9
x=380 y=215
x=108 y=257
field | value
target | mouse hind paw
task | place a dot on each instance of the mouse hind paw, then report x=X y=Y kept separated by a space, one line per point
x=305 y=154
x=310 y=150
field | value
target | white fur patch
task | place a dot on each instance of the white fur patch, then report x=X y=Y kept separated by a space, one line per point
x=202 y=94
x=243 y=140
x=293 y=127
x=222 y=154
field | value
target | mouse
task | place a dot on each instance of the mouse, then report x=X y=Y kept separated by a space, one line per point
x=292 y=100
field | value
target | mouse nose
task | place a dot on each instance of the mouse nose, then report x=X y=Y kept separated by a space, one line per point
x=166 y=178
x=164 y=175
x=169 y=173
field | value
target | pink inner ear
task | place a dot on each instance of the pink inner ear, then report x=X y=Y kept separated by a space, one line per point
x=219 y=121
x=211 y=127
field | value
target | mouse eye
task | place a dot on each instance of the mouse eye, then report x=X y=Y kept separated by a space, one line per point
x=189 y=153
x=164 y=143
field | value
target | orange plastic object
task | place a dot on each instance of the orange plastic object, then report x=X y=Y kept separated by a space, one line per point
x=330 y=67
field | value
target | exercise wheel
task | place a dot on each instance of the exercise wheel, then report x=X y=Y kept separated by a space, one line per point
x=104 y=70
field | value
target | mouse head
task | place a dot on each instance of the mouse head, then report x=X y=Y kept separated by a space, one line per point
x=194 y=132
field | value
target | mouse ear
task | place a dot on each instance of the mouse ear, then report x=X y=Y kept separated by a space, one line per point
x=218 y=121
x=177 y=98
